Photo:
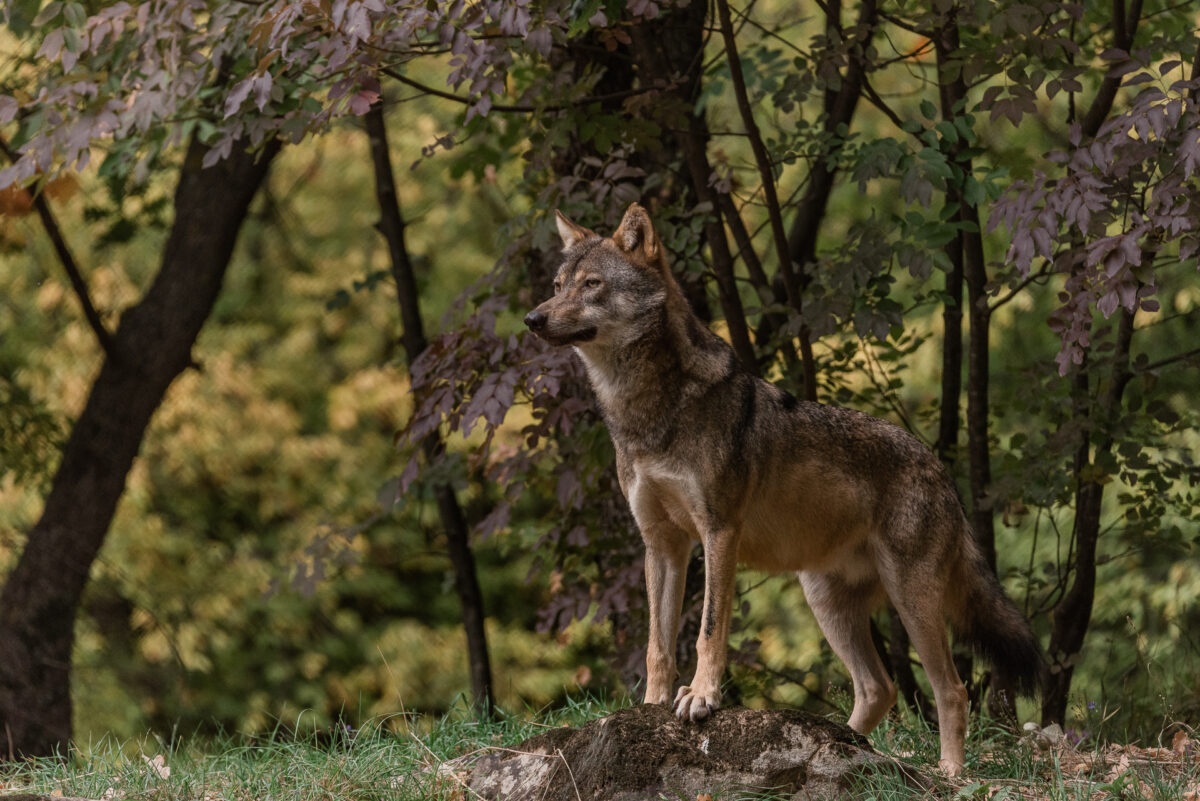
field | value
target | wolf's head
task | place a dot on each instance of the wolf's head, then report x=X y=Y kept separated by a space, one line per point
x=608 y=291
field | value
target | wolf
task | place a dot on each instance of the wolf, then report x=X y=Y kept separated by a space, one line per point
x=706 y=451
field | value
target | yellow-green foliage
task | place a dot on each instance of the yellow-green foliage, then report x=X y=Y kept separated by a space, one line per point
x=248 y=574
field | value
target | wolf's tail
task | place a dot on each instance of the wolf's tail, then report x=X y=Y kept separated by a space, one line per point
x=983 y=616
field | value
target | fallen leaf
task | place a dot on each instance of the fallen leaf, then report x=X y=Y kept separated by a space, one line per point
x=158 y=765
x=583 y=675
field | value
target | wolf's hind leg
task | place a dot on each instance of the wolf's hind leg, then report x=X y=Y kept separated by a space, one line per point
x=843 y=611
x=922 y=616
x=667 y=549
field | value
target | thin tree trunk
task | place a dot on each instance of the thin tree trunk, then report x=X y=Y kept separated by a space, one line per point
x=978 y=377
x=951 y=92
x=673 y=45
x=1073 y=614
x=959 y=251
x=466 y=581
x=971 y=266
x=153 y=345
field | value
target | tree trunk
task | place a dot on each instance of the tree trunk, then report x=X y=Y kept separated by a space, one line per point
x=946 y=446
x=978 y=447
x=672 y=45
x=801 y=239
x=466 y=582
x=153 y=345
x=1073 y=613
x=967 y=264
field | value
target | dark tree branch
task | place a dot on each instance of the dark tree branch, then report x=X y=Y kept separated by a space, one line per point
x=741 y=236
x=882 y=105
x=695 y=143
x=1073 y=613
x=1032 y=278
x=1179 y=357
x=1124 y=32
x=775 y=214
x=78 y=284
x=523 y=109
x=839 y=111
x=761 y=157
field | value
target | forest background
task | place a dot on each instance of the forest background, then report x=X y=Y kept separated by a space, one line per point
x=975 y=220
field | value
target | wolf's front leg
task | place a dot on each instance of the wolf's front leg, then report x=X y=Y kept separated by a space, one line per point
x=667 y=549
x=699 y=699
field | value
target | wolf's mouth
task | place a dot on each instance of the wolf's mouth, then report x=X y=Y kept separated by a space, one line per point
x=569 y=337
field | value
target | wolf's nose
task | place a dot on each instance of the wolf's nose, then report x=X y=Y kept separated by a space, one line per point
x=536 y=320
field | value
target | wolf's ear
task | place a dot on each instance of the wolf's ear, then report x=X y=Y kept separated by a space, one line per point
x=636 y=232
x=569 y=231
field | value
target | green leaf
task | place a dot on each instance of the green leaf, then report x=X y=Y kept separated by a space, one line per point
x=928 y=110
x=973 y=192
x=75 y=15
x=46 y=14
x=964 y=126
x=948 y=131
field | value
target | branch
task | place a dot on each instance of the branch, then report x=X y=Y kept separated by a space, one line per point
x=1125 y=30
x=69 y=264
x=763 y=161
x=524 y=109
x=1029 y=279
x=882 y=105
x=1179 y=357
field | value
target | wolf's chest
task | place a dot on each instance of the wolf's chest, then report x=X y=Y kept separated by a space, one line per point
x=666 y=489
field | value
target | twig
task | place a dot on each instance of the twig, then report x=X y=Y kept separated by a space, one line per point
x=1029 y=279
x=69 y=264
x=570 y=772
x=524 y=109
x=880 y=104
x=1169 y=360
x=763 y=160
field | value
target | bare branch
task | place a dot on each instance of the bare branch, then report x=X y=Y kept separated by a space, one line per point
x=1029 y=279
x=1179 y=357
x=518 y=108
x=78 y=284
x=771 y=198
x=1125 y=27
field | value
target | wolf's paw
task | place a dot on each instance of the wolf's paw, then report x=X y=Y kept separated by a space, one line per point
x=696 y=705
x=658 y=696
x=950 y=767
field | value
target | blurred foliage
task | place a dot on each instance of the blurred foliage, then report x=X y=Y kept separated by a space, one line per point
x=250 y=572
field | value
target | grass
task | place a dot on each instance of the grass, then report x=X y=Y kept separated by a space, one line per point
x=396 y=759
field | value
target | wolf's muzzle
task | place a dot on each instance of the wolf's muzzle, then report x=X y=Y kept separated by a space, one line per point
x=536 y=320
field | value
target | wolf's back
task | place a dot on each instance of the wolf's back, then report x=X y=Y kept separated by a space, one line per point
x=982 y=615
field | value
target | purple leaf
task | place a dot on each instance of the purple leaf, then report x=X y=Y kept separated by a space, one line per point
x=237 y=95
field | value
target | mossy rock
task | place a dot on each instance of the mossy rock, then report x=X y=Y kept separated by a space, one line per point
x=646 y=753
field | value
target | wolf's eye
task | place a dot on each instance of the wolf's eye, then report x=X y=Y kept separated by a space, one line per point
x=557 y=287
x=592 y=283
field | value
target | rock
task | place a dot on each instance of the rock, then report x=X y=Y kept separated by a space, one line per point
x=644 y=753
